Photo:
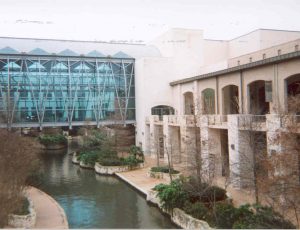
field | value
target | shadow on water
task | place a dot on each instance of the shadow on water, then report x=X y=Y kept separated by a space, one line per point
x=94 y=201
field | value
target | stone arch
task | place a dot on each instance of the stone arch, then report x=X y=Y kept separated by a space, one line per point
x=292 y=91
x=257 y=100
x=230 y=94
x=188 y=103
x=208 y=101
x=161 y=110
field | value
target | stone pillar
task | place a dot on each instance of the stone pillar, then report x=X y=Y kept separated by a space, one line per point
x=273 y=130
x=153 y=145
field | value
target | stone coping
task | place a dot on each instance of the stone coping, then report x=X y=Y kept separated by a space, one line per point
x=49 y=214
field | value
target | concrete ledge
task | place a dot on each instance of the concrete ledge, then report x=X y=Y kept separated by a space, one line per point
x=186 y=221
x=49 y=214
x=110 y=170
x=86 y=166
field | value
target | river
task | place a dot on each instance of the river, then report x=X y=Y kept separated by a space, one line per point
x=96 y=201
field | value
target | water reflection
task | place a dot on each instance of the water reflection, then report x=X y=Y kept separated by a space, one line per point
x=94 y=201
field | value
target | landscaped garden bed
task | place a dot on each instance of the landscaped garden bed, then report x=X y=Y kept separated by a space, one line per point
x=194 y=204
x=98 y=153
x=53 y=141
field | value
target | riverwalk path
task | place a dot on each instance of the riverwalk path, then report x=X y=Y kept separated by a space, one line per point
x=140 y=180
x=49 y=212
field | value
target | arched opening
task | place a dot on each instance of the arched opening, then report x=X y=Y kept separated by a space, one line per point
x=293 y=93
x=258 y=104
x=188 y=103
x=208 y=101
x=230 y=99
x=161 y=110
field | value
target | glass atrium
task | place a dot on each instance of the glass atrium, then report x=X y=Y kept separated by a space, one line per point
x=64 y=91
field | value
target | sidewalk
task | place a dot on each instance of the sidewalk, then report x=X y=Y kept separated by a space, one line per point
x=49 y=213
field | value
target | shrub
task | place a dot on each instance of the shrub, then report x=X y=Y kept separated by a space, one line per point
x=223 y=216
x=110 y=162
x=204 y=192
x=164 y=169
x=262 y=217
x=196 y=210
x=48 y=139
x=88 y=157
x=172 y=195
x=136 y=152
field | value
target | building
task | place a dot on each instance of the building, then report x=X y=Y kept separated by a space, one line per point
x=180 y=90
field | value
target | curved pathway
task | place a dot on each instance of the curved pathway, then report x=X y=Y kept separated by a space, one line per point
x=49 y=214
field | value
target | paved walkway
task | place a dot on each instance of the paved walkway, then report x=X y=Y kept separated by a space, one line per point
x=49 y=212
x=142 y=182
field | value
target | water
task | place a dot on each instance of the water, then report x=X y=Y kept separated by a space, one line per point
x=95 y=201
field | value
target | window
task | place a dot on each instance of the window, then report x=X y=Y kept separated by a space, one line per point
x=238 y=62
x=264 y=56
x=296 y=47
x=279 y=52
x=250 y=59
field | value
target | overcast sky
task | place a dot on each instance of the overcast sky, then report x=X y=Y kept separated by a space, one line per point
x=143 y=19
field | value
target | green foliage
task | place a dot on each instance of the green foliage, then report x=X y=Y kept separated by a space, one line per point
x=196 y=210
x=223 y=216
x=164 y=169
x=172 y=195
x=203 y=192
x=48 y=139
x=136 y=152
x=262 y=217
x=88 y=157
x=110 y=161
x=95 y=139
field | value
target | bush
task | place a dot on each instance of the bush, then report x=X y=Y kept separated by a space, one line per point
x=136 y=152
x=110 y=162
x=48 y=139
x=88 y=157
x=172 y=195
x=164 y=169
x=223 y=216
x=262 y=217
x=203 y=192
x=196 y=210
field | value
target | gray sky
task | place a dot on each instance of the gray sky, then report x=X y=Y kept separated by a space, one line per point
x=143 y=19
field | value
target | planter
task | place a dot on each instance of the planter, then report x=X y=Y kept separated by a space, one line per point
x=86 y=166
x=110 y=170
x=55 y=146
x=186 y=221
x=161 y=175
x=23 y=221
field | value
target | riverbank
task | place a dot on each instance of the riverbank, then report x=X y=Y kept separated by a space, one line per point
x=49 y=213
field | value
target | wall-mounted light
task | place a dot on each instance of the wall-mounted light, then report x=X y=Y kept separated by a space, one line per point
x=232 y=146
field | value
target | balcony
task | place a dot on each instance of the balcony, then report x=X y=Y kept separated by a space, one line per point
x=217 y=121
x=252 y=122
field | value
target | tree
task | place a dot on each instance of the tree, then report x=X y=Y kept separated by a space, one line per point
x=17 y=159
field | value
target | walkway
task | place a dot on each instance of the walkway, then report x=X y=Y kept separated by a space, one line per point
x=49 y=212
x=142 y=182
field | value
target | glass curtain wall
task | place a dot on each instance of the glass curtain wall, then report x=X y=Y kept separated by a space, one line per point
x=64 y=91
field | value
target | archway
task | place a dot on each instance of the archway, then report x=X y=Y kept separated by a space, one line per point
x=161 y=110
x=293 y=93
x=208 y=101
x=188 y=103
x=230 y=99
x=257 y=98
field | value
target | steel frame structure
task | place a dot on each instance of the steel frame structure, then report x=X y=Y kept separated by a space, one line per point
x=40 y=90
